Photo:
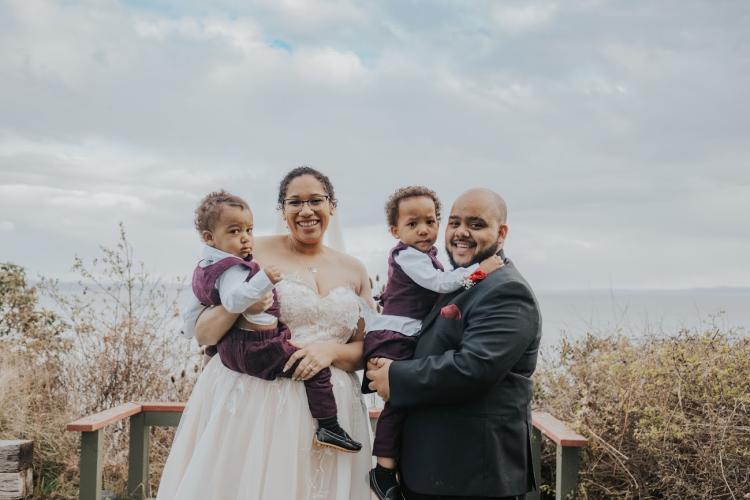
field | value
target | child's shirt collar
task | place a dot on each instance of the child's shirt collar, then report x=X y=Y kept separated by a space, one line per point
x=211 y=255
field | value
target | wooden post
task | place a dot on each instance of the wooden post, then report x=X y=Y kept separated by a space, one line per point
x=162 y=418
x=566 y=472
x=568 y=442
x=373 y=414
x=91 y=465
x=16 y=476
x=138 y=458
x=536 y=458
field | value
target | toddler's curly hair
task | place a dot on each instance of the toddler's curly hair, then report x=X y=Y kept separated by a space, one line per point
x=391 y=206
x=209 y=210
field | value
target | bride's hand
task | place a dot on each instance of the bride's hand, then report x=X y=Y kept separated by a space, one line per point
x=312 y=358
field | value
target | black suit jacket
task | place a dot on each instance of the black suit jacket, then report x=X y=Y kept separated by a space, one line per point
x=468 y=391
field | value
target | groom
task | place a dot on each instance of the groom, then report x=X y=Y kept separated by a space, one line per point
x=468 y=388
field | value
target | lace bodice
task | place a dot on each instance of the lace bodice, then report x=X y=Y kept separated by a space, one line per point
x=313 y=318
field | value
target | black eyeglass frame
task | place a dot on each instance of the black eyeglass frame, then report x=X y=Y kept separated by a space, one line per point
x=302 y=203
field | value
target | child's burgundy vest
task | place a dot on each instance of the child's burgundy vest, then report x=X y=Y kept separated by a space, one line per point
x=402 y=296
x=204 y=281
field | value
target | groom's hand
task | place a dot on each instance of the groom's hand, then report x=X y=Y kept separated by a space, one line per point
x=377 y=372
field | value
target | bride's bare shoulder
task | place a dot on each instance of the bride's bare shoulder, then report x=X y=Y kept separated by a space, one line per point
x=268 y=248
x=353 y=265
x=344 y=259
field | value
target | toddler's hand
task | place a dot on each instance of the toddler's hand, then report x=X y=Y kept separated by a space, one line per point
x=261 y=305
x=491 y=264
x=273 y=274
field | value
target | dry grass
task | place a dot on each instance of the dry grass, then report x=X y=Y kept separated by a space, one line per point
x=32 y=406
x=667 y=417
x=107 y=345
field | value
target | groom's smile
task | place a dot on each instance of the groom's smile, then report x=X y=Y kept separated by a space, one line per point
x=461 y=249
x=461 y=244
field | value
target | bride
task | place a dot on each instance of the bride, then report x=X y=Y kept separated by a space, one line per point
x=247 y=438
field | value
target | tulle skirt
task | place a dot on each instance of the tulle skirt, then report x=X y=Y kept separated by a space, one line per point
x=245 y=438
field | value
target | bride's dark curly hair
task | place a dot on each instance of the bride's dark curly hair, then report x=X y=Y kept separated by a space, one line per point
x=299 y=172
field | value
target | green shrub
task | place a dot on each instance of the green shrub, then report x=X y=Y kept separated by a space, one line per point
x=666 y=417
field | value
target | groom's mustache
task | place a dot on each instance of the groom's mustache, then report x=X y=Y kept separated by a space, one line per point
x=467 y=242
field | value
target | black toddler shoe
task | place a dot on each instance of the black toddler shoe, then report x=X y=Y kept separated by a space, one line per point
x=338 y=440
x=386 y=490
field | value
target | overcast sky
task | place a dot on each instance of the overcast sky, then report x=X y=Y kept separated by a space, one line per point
x=618 y=132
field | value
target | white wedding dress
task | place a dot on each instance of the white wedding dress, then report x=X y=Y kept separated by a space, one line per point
x=245 y=438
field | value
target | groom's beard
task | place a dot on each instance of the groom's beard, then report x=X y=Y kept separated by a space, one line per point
x=487 y=252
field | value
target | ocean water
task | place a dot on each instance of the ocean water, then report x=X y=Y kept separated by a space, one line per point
x=639 y=312
x=630 y=312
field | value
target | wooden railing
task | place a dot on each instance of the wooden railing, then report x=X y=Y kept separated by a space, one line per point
x=144 y=415
x=568 y=445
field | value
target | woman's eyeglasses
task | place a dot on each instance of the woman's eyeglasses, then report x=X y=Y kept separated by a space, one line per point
x=315 y=203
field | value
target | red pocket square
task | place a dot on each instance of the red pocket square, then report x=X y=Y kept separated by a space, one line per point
x=451 y=311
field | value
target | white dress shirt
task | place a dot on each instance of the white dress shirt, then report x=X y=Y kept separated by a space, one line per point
x=237 y=293
x=418 y=266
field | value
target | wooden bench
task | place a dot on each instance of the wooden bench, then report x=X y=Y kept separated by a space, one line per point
x=144 y=415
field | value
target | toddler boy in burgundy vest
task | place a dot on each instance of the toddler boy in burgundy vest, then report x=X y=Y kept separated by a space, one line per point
x=393 y=334
x=415 y=280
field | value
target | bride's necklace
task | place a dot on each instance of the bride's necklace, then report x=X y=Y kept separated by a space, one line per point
x=310 y=269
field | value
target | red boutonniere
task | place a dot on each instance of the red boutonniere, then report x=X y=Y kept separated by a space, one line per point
x=474 y=278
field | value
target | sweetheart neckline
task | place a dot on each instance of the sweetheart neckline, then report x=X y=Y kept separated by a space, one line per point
x=313 y=290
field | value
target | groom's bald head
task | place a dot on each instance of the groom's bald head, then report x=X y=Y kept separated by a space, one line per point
x=488 y=198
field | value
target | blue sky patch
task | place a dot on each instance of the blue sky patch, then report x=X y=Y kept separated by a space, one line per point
x=278 y=43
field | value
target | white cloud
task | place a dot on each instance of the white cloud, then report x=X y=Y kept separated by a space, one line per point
x=315 y=13
x=329 y=65
x=67 y=198
x=483 y=93
x=609 y=139
x=92 y=158
x=242 y=34
x=6 y=225
x=69 y=44
x=595 y=85
x=522 y=17
x=97 y=200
